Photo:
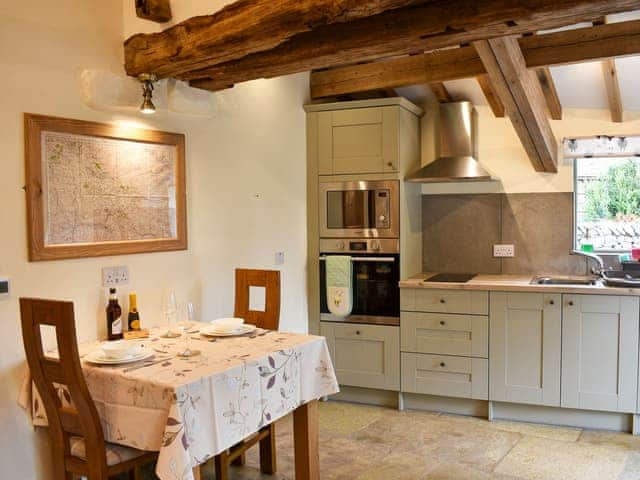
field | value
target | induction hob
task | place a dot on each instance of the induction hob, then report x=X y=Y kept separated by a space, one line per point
x=451 y=277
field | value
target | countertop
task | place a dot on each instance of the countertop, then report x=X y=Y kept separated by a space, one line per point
x=514 y=283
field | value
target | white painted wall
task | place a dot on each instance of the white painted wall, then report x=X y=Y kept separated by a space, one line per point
x=246 y=191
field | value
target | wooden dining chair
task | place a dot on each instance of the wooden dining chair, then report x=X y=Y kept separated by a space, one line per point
x=268 y=319
x=75 y=432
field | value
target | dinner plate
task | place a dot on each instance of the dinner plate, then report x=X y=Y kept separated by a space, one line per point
x=212 y=332
x=98 y=356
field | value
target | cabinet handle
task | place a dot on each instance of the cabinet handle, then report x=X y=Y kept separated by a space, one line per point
x=442 y=300
x=390 y=164
x=441 y=322
x=551 y=302
x=357 y=332
x=442 y=364
x=571 y=303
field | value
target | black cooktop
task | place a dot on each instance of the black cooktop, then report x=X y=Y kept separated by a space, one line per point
x=451 y=277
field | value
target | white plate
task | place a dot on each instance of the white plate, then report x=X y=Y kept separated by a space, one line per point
x=212 y=332
x=98 y=356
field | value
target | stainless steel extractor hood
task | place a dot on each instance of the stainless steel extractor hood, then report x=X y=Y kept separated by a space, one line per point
x=457 y=148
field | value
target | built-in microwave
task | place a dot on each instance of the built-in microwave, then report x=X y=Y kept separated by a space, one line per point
x=359 y=209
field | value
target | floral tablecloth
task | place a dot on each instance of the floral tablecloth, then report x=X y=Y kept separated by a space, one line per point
x=190 y=409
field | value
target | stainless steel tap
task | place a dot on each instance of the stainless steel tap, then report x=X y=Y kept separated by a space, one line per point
x=592 y=256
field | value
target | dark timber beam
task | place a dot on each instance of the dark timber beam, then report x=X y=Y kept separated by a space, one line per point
x=550 y=94
x=490 y=94
x=441 y=92
x=523 y=99
x=560 y=48
x=613 y=89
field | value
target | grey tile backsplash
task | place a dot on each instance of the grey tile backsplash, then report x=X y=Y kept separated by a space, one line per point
x=459 y=232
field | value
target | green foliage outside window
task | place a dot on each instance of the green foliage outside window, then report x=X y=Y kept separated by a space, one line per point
x=615 y=195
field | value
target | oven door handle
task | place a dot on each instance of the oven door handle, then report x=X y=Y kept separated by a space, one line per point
x=369 y=259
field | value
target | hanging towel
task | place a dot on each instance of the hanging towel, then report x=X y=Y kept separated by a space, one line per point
x=339 y=288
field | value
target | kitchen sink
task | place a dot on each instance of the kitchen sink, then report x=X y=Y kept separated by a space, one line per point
x=580 y=281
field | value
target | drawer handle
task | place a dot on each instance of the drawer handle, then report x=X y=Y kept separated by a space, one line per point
x=389 y=164
x=551 y=302
x=357 y=332
x=442 y=322
x=442 y=364
x=442 y=300
x=571 y=303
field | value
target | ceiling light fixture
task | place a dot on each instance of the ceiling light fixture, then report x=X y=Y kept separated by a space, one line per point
x=147 y=79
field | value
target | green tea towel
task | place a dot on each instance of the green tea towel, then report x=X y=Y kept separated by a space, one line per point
x=339 y=287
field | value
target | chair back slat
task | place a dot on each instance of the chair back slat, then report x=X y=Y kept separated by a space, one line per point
x=50 y=375
x=270 y=281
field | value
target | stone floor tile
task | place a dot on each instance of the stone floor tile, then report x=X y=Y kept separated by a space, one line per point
x=625 y=441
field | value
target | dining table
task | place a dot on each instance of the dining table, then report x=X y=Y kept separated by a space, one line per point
x=190 y=409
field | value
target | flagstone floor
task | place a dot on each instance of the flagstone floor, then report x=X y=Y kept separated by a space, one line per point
x=360 y=442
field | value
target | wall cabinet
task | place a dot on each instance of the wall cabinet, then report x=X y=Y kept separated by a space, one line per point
x=525 y=348
x=600 y=352
x=359 y=140
x=364 y=355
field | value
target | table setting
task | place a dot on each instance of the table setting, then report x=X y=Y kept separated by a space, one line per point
x=198 y=391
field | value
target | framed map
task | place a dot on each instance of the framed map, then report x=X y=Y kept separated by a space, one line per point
x=97 y=189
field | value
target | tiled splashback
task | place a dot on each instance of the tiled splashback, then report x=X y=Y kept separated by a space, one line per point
x=460 y=231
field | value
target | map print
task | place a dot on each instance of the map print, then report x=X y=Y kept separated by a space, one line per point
x=102 y=190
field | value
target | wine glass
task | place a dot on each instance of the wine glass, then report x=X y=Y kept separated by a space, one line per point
x=169 y=309
x=188 y=314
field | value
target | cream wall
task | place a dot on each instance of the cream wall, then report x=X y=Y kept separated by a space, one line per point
x=502 y=154
x=246 y=191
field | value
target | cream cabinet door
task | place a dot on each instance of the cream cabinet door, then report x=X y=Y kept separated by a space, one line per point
x=364 y=355
x=362 y=140
x=525 y=348
x=600 y=352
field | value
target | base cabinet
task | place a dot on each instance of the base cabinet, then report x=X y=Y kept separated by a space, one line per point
x=600 y=352
x=525 y=347
x=364 y=355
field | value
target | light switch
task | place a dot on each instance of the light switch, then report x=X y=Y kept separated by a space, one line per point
x=4 y=287
x=279 y=258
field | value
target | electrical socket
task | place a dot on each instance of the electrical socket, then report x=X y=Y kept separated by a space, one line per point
x=115 y=276
x=504 y=251
x=4 y=287
x=279 y=258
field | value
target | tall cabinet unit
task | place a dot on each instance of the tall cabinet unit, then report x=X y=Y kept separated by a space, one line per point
x=525 y=347
x=369 y=140
x=600 y=352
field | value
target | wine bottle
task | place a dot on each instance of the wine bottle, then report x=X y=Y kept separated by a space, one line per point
x=134 y=316
x=114 y=317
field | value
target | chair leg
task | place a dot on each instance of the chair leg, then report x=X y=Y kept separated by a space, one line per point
x=222 y=466
x=239 y=461
x=268 y=452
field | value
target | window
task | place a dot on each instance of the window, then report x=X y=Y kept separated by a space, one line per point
x=607 y=203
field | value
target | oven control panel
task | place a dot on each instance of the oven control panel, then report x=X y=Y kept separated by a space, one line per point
x=365 y=245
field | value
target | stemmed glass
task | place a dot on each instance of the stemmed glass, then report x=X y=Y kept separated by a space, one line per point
x=169 y=309
x=187 y=322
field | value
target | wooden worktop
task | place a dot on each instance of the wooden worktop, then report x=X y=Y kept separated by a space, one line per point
x=514 y=283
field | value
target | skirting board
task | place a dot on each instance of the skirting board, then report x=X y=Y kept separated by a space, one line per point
x=620 y=422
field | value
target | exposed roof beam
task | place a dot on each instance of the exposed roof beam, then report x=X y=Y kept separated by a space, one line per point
x=490 y=94
x=550 y=94
x=431 y=25
x=613 y=89
x=560 y=48
x=155 y=10
x=522 y=97
x=441 y=92
x=239 y=29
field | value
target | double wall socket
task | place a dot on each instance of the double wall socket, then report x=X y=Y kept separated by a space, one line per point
x=115 y=276
x=503 y=251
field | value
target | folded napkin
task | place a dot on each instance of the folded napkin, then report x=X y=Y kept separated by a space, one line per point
x=339 y=287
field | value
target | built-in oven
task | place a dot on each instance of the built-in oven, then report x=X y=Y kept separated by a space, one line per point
x=359 y=209
x=376 y=272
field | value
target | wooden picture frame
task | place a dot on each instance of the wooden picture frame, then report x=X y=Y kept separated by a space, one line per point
x=40 y=128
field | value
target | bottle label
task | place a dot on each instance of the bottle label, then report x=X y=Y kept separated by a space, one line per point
x=116 y=326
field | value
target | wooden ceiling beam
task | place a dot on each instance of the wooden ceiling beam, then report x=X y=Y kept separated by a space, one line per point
x=490 y=94
x=554 y=106
x=239 y=29
x=523 y=99
x=613 y=89
x=441 y=92
x=427 y=26
x=560 y=48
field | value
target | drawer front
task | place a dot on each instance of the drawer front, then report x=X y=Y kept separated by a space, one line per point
x=364 y=355
x=444 y=375
x=444 y=301
x=445 y=334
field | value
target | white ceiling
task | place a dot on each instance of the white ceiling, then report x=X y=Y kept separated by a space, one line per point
x=580 y=85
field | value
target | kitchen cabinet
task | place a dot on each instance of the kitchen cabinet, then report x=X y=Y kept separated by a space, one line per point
x=600 y=352
x=364 y=355
x=525 y=347
x=444 y=301
x=359 y=140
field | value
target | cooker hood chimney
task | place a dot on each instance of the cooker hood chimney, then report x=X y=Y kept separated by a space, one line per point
x=457 y=148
